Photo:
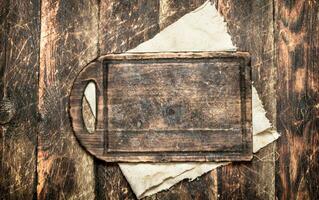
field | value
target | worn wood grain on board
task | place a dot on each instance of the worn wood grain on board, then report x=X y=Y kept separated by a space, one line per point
x=153 y=114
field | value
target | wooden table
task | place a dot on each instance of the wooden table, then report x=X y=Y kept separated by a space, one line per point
x=44 y=44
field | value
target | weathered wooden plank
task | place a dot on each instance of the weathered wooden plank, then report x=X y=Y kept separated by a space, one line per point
x=110 y=182
x=126 y=24
x=68 y=42
x=297 y=44
x=253 y=32
x=123 y=25
x=250 y=23
x=204 y=187
x=3 y=31
x=248 y=181
x=19 y=34
x=4 y=185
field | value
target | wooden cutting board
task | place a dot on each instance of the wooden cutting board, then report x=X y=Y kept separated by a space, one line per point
x=159 y=107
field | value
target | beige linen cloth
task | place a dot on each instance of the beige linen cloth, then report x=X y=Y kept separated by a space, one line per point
x=200 y=30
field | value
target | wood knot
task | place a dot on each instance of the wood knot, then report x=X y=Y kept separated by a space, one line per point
x=7 y=111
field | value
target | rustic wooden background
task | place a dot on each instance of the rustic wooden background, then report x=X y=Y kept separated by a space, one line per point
x=44 y=44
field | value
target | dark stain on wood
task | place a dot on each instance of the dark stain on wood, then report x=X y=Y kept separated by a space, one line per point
x=111 y=183
x=64 y=179
x=19 y=35
x=297 y=44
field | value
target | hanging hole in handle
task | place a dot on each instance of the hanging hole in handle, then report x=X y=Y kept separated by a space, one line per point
x=89 y=107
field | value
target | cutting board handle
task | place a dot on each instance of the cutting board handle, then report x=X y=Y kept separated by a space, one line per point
x=94 y=142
